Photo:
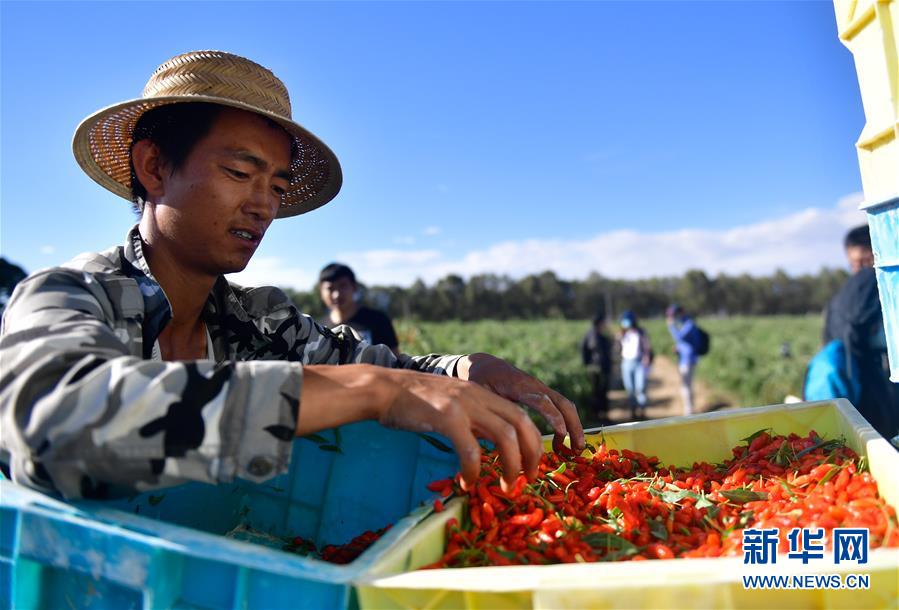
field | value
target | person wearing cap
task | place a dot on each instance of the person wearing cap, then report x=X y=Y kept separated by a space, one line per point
x=141 y=366
x=636 y=358
x=339 y=292
x=684 y=333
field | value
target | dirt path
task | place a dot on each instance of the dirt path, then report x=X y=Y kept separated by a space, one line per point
x=663 y=391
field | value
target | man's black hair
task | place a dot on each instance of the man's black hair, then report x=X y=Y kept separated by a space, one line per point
x=859 y=237
x=175 y=129
x=334 y=271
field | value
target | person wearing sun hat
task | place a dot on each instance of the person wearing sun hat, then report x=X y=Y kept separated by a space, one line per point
x=141 y=366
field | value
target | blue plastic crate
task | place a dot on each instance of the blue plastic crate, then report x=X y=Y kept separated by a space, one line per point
x=883 y=220
x=166 y=549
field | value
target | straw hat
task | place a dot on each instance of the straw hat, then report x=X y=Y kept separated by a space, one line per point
x=102 y=143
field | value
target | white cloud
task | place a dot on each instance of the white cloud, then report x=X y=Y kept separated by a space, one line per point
x=800 y=242
x=404 y=240
x=803 y=241
x=432 y=230
x=48 y=249
x=385 y=267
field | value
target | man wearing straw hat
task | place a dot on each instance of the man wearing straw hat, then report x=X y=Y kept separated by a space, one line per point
x=141 y=366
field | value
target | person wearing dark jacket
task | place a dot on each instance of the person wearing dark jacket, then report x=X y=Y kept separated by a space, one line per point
x=596 y=354
x=854 y=317
x=339 y=292
x=859 y=255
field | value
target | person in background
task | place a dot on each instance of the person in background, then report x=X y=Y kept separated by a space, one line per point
x=860 y=256
x=636 y=356
x=340 y=293
x=684 y=332
x=858 y=248
x=596 y=353
x=853 y=362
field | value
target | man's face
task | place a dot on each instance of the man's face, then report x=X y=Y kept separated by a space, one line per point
x=339 y=293
x=859 y=258
x=216 y=207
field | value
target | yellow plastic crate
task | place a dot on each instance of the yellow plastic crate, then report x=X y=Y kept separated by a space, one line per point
x=878 y=163
x=677 y=583
x=870 y=30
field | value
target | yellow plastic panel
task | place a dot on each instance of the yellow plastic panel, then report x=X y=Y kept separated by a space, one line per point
x=878 y=161
x=870 y=30
x=678 y=583
x=871 y=42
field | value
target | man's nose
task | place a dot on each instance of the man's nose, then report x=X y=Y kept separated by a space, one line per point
x=262 y=203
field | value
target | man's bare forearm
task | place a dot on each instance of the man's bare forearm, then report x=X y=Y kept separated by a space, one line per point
x=336 y=395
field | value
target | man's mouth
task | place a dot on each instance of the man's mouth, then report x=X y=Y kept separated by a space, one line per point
x=246 y=235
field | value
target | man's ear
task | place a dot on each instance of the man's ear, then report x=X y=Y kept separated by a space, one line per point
x=149 y=167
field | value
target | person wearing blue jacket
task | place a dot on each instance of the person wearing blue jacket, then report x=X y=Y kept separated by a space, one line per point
x=684 y=332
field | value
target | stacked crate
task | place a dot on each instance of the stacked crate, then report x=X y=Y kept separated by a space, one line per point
x=870 y=30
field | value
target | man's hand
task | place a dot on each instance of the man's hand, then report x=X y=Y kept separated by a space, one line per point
x=422 y=402
x=509 y=382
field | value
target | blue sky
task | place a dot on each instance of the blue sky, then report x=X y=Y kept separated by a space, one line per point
x=633 y=139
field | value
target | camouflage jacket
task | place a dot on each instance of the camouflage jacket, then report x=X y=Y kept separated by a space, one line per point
x=86 y=412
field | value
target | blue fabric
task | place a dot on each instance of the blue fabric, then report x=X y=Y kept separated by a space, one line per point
x=855 y=318
x=827 y=377
x=684 y=335
x=633 y=374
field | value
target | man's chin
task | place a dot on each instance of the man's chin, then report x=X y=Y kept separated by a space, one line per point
x=233 y=267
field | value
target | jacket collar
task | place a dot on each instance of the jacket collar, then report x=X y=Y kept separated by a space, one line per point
x=221 y=304
x=157 y=309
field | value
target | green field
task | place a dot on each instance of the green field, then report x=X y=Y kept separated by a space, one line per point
x=745 y=366
x=745 y=361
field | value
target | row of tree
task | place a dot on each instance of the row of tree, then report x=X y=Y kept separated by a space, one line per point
x=546 y=296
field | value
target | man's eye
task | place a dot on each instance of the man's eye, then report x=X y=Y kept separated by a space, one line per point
x=280 y=191
x=237 y=173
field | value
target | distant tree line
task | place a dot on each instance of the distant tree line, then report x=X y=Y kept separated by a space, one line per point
x=545 y=295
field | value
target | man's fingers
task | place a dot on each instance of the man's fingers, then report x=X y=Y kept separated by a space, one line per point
x=531 y=443
x=507 y=381
x=505 y=436
x=572 y=420
x=541 y=402
x=560 y=413
x=529 y=440
x=468 y=450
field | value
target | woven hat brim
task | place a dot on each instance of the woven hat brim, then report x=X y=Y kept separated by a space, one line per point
x=102 y=148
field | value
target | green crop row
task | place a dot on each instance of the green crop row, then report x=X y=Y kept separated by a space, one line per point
x=753 y=360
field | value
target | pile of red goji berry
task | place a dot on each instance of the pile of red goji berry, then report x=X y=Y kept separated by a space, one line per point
x=336 y=553
x=624 y=506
